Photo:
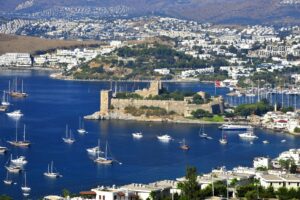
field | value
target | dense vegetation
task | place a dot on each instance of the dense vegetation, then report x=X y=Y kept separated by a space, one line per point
x=147 y=111
x=139 y=62
x=259 y=108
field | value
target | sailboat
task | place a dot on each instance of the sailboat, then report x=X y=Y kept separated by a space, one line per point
x=50 y=172
x=223 y=140
x=184 y=146
x=7 y=181
x=25 y=188
x=16 y=93
x=24 y=143
x=104 y=160
x=203 y=134
x=95 y=150
x=68 y=139
x=81 y=129
x=5 y=101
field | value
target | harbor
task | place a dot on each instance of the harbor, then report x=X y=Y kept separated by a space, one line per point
x=51 y=104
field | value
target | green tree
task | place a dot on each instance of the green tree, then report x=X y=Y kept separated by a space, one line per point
x=190 y=186
x=5 y=197
x=251 y=195
x=66 y=193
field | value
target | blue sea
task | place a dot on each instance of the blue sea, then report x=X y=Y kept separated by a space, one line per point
x=52 y=104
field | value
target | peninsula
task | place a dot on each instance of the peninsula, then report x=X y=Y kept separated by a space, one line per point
x=159 y=105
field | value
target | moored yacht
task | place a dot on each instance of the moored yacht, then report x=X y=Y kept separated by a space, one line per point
x=95 y=150
x=223 y=140
x=20 y=143
x=19 y=161
x=7 y=180
x=105 y=160
x=137 y=135
x=248 y=135
x=234 y=127
x=50 y=173
x=68 y=139
x=25 y=188
x=164 y=138
x=15 y=114
x=3 y=149
x=81 y=129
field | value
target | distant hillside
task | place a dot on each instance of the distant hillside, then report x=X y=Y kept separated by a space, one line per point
x=21 y=44
x=218 y=11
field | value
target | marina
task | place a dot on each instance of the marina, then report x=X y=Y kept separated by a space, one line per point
x=61 y=103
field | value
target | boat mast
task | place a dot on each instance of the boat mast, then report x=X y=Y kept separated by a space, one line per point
x=67 y=131
x=24 y=134
x=106 y=150
x=17 y=131
x=22 y=85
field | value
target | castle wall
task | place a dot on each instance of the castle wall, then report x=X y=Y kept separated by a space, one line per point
x=180 y=107
x=176 y=106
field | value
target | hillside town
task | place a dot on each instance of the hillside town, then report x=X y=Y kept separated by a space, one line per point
x=280 y=172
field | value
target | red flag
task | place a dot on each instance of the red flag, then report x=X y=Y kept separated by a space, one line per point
x=217 y=83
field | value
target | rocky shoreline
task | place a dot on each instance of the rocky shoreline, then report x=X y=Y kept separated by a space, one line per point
x=120 y=116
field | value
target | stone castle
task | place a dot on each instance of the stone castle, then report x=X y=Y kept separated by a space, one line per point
x=183 y=108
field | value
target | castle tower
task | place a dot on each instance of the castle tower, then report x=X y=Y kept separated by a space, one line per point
x=105 y=101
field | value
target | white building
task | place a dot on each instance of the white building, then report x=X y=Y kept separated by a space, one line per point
x=261 y=162
x=276 y=181
x=163 y=71
x=292 y=154
x=16 y=59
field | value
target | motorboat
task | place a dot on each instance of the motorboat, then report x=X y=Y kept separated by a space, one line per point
x=95 y=150
x=249 y=135
x=20 y=161
x=266 y=142
x=164 y=138
x=3 y=149
x=137 y=135
x=15 y=114
x=233 y=127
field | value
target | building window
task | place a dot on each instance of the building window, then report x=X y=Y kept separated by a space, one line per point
x=103 y=197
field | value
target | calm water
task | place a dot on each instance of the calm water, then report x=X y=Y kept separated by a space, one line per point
x=53 y=103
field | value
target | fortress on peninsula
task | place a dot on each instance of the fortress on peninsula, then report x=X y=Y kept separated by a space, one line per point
x=112 y=107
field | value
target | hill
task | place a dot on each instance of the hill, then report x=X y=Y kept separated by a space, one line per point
x=21 y=44
x=217 y=11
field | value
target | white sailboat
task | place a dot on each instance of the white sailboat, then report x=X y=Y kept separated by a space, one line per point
x=95 y=150
x=7 y=180
x=223 y=140
x=203 y=134
x=104 y=160
x=81 y=128
x=5 y=101
x=68 y=139
x=24 y=143
x=25 y=188
x=50 y=172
